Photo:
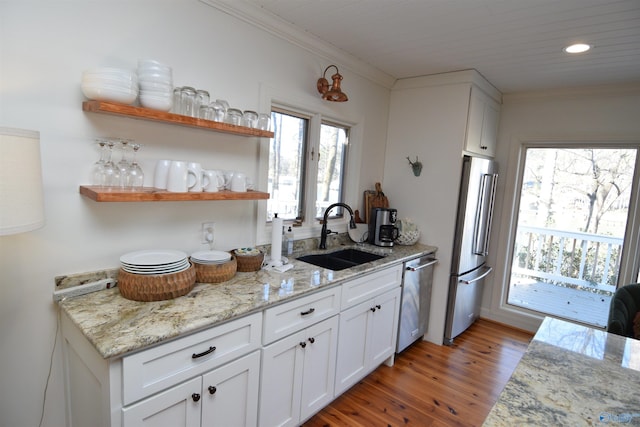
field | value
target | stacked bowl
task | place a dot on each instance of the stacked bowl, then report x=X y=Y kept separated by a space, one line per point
x=156 y=85
x=110 y=84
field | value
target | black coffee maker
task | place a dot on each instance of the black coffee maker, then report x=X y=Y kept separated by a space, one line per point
x=382 y=229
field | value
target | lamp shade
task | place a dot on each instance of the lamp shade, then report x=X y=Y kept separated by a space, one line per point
x=21 y=195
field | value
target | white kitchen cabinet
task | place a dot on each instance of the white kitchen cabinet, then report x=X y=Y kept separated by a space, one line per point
x=227 y=396
x=156 y=386
x=367 y=337
x=298 y=374
x=428 y=120
x=292 y=316
x=482 y=124
x=175 y=407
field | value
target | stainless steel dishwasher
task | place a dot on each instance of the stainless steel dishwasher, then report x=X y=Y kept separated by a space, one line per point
x=416 y=298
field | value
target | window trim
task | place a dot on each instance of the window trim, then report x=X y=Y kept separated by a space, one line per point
x=318 y=111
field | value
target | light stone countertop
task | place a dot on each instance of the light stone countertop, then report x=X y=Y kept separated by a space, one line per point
x=572 y=375
x=116 y=326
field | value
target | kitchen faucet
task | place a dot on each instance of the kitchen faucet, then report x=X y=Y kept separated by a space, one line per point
x=325 y=232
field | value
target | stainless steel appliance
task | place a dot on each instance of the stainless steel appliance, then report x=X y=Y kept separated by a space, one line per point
x=382 y=229
x=471 y=244
x=416 y=299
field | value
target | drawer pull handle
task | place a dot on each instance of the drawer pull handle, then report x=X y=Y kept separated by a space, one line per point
x=212 y=389
x=204 y=353
x=195 y=397
x=312 y=340
x=304 y=313
x=303 y=344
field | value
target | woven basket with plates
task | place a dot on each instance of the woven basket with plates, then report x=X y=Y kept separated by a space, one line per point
x=156 y=287
x=216 y=273
x=155 y=275
x=214 y=266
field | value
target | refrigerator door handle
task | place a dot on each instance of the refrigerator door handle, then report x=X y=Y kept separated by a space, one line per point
x=484 y=214
x=421 y=266
x=475 y=279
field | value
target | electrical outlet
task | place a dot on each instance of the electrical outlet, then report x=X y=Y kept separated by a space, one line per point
x=208 y=232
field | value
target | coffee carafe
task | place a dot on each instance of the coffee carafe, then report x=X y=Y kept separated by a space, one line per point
x=382 y=229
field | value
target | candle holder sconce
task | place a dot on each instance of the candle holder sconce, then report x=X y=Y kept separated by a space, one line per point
x=416 y=166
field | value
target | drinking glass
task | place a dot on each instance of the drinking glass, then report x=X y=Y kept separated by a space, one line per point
x=135 y=176
x=202 y=98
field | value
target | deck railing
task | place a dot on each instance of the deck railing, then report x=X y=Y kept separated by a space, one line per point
x=561 y=257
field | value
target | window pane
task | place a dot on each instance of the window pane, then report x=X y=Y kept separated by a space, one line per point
x=286 y=166
x=571 y=224
x=333 y=148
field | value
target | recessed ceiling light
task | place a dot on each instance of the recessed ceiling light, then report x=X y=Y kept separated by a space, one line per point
x=577 y=48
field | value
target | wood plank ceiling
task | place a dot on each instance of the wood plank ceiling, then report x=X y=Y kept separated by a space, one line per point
x=515 y=44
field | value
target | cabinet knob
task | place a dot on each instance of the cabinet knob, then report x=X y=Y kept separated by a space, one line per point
x=195 y=397
x=212 y=389
x=373 y=309
x=312 y=340
x=303 y=344
x=378 y=306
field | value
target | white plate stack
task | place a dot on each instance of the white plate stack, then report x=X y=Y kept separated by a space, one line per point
x=210 y=257
x=110 y=84
x=150 y=262
x=156 y=85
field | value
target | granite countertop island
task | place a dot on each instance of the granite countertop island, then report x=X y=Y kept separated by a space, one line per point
x=572 y=375
x=116 y=326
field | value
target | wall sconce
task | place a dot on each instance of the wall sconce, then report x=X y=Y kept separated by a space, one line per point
x=334 y=93
x=21 y=195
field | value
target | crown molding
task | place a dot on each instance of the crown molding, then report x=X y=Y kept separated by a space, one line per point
x=272 y=24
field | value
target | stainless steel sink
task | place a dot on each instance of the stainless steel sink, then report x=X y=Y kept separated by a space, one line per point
x=340 y=260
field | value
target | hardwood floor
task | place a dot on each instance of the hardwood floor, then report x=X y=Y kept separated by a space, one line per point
x=431 y=385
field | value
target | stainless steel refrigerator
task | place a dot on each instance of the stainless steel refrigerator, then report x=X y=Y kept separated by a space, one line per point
x=471 y=244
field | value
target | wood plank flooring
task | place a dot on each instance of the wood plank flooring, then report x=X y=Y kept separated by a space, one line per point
x=431 y=385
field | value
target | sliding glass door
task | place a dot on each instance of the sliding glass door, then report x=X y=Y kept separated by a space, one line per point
x=572 y=221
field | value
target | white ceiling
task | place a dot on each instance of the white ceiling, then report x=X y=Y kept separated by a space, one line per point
x=516 y=44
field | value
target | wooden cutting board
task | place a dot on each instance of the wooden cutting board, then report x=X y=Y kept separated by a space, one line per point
x=374 y=199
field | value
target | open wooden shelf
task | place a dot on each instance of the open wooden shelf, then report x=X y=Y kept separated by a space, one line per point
x=176 y=119
x=150 y=194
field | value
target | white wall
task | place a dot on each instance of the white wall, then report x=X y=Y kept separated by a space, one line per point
x=602 y=114
x=44 y=47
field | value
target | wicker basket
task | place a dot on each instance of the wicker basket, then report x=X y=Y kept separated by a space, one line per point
x=250 y=262
x=216 y=273
x=156 y=287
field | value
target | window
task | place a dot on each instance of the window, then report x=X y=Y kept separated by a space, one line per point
x=575 y=204
x=305 y=176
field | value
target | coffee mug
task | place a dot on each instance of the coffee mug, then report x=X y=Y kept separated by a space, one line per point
x=180 y=178
x=195 y=176
x=238 y=182
x=213 y=181
x=161 y=174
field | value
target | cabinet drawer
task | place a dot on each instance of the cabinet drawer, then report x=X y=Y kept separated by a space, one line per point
x=293 y=316
x=161 y=367
x=361 y=289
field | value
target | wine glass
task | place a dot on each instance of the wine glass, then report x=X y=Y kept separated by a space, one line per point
x=123 y=164
x=135 y=175
x=111 y=171
x=97 y=171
